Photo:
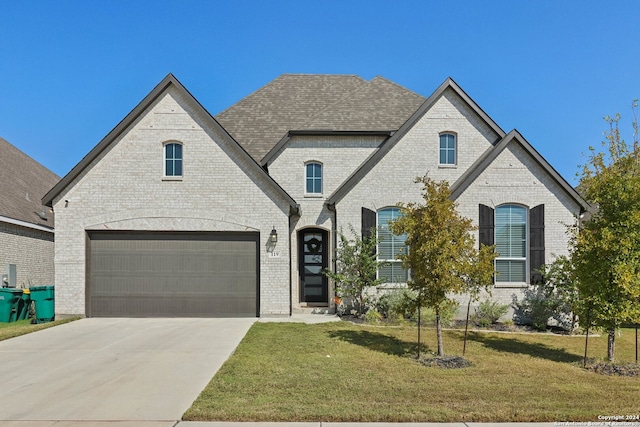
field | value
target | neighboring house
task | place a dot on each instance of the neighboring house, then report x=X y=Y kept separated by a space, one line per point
x=26 y=226
x=179 y=213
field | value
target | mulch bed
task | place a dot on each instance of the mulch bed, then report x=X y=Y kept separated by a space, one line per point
x=446 y=362
x=623 y=370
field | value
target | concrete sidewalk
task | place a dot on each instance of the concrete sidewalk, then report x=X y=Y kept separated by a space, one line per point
x=262 y=424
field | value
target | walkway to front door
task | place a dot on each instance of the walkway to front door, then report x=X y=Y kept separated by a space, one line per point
x=313 y=260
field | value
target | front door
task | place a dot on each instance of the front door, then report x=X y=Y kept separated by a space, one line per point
x=313 y=260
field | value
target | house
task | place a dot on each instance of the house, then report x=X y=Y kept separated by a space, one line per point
x=26 y=227
x=180 y=213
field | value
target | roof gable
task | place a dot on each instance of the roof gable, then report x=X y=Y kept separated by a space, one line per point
x=483 y=162
x=168 y=82
x=448 y=84
x=23 y=182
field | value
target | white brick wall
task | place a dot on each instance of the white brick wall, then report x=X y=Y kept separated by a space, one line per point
x=514 y=177
x=340 y=156
x=30 y=250
x=123 y=189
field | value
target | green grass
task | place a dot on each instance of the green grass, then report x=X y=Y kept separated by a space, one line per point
x=343 y=372
x=22 y=327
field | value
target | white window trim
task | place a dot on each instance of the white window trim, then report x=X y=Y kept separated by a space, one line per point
x=321 y=193
x=527 y=258
x=166 y=177
x=455 y=150
x=394 y=260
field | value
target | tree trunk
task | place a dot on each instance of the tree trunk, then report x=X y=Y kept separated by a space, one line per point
x=611 y=344
x=439 y=333
x=466 y=328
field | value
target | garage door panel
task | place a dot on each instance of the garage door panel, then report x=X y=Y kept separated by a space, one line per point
x=173 y=274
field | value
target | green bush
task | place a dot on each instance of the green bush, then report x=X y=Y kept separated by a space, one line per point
x=489 y=312
x=372 y=316
x=539 y=304
x=393 y=305
x=447 y=314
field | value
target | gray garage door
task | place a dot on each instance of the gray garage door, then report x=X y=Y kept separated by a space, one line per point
x=172 y=274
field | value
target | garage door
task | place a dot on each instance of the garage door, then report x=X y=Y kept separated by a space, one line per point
x=172 y=274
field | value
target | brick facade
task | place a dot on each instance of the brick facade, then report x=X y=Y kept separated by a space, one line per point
x=122 y=187
x=30 y=250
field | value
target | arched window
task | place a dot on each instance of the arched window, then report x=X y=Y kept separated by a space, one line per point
x=511 y=243
x=389 y=246
x=448 y=149
x=313 y=178
x=173 y=159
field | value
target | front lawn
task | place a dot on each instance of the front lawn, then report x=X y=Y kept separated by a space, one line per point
x=345 y=372
x=22 y=327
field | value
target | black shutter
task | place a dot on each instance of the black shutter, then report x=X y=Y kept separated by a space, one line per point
x=536 y=243
x=368 y=222
x=486 y=226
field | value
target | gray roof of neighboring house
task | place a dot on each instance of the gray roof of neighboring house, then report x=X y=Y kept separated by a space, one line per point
x=23 y=182
x=316 y=102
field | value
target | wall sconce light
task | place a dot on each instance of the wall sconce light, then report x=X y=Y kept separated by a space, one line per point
x=273 y=237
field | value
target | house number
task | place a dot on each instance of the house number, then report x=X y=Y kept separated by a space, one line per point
x=274 y=254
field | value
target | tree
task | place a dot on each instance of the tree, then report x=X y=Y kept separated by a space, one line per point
x=439 y=242
x=606 y=246
x=356 y=267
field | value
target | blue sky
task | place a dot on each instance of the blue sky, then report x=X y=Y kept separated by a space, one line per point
x=71 y=70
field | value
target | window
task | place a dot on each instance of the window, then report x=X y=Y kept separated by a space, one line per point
x=313 y=178
x=447 y=149
x=173 y=159
x=511 y=243
x=390 y=245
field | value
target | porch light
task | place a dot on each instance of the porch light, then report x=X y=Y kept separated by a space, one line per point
x=273 y=236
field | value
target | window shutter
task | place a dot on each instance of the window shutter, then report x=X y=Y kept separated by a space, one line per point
x=368 y=222
x=486 y=226
x=536 y=242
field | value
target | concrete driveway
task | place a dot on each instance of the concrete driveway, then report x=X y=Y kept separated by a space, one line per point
x=113 y=369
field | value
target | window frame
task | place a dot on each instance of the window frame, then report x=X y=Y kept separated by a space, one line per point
x=525 y=242
x=448 y=149
x=314 y=178
x=401 y=246
x=174 y=159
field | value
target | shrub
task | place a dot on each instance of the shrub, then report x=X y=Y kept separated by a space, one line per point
x=489 y=312
x=447 y=314
x=392 y=305
x=539 y=304
x=372 y=316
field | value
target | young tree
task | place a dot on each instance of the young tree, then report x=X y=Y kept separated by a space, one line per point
x=560 y=277
x=439 y=240
x=356 y=267
x=606 y=248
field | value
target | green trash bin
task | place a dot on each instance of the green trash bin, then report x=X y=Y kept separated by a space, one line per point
x=9 y=298
x=24 y=305
x=43 y=298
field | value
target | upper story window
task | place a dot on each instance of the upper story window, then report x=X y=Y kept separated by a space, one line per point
x=173 y=159
x=448 y=148
x=390 y=245
x=313 y=180
x=511 y=243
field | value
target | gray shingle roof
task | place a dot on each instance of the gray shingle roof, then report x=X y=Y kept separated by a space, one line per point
x=316 y=101
x=23 y=182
